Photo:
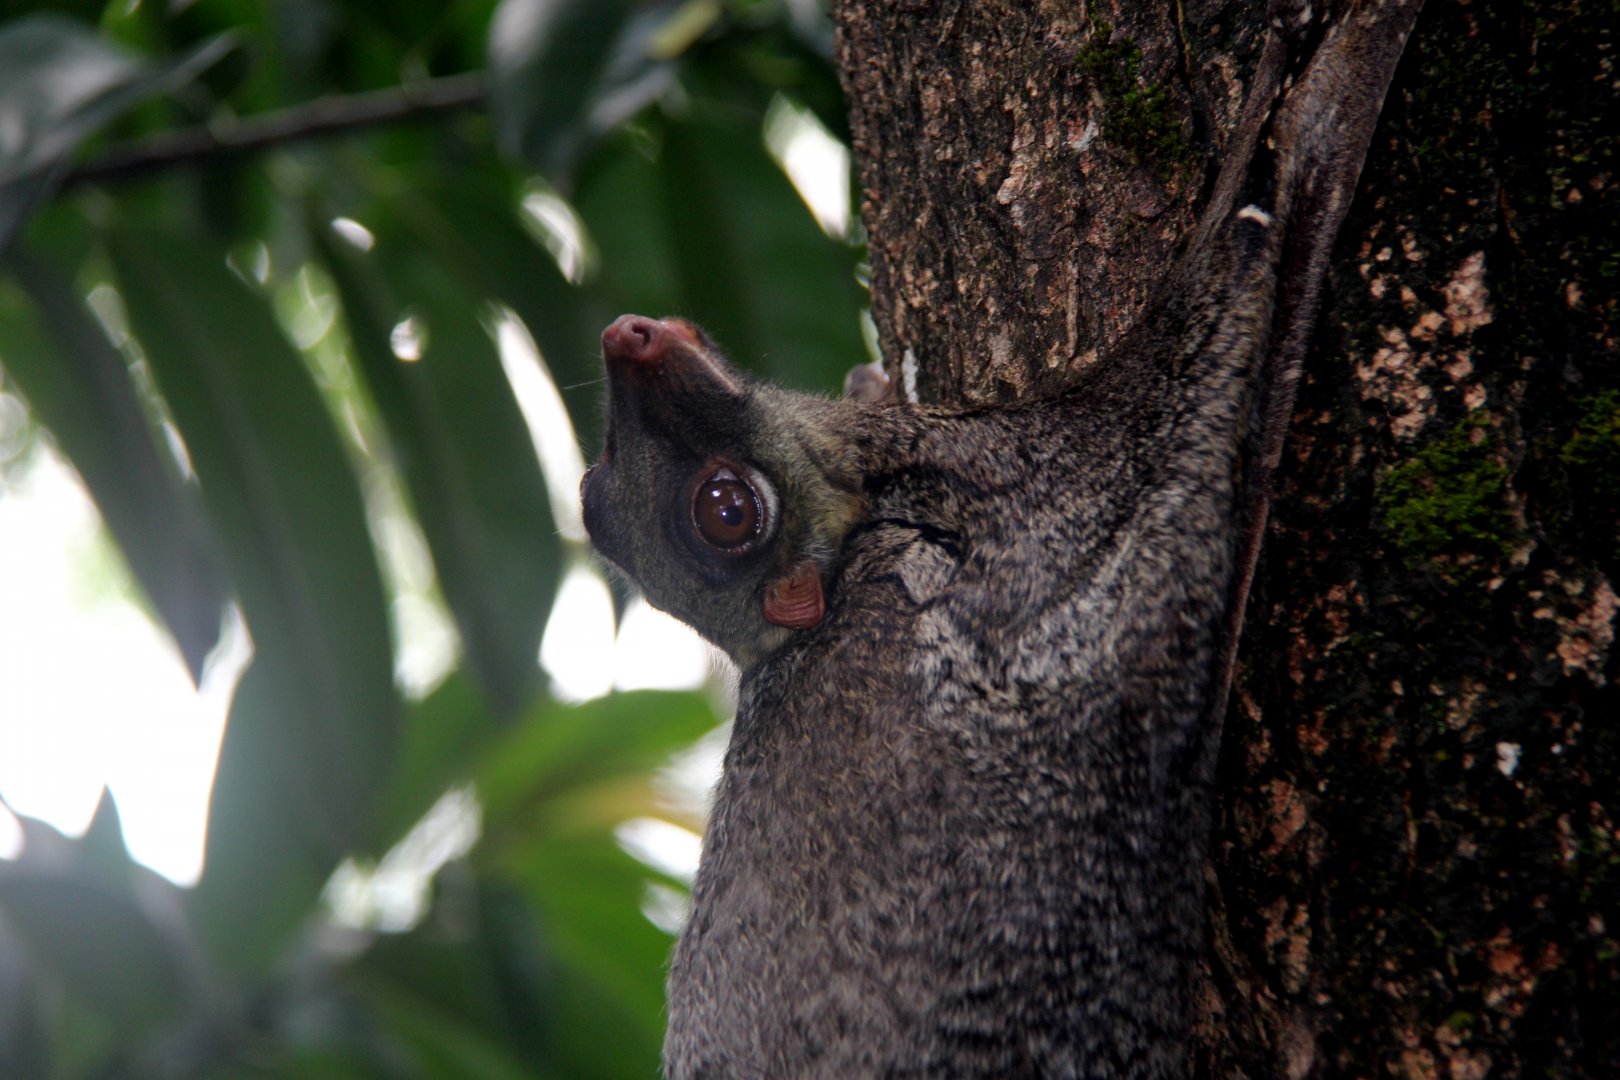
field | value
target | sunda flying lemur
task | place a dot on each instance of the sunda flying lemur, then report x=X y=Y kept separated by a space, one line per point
x=983 y=651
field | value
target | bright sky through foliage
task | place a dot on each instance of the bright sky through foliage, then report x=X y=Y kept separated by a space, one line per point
x=91 y=693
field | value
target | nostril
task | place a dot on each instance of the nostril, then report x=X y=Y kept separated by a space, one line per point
x=634 y=337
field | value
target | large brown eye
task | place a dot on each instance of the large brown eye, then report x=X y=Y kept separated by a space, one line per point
x=726 y=511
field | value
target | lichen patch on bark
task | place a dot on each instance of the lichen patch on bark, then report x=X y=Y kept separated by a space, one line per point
x=1468 y=299
x=1586 y=635
x=1404 y=371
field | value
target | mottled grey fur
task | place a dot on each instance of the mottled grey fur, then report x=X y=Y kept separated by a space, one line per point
x=961 y=826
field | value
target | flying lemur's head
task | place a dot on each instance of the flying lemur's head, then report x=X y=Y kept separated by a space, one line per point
x=724 y=499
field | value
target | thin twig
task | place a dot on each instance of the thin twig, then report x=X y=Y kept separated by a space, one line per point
x=315 y=119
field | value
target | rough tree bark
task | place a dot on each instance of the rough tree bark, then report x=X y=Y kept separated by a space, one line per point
x=1416 y=868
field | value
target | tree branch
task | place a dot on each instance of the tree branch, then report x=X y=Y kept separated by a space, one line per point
x=316 y=119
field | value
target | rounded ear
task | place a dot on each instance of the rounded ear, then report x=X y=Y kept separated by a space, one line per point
x=795 y=600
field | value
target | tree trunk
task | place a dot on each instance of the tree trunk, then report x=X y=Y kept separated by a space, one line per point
x=1415 y=870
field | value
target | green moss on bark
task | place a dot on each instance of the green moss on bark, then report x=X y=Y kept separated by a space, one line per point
x=1450 y=497
x=1138 y=115
x=1592 y=454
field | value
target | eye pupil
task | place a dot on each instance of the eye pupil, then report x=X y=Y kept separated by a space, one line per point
x=726 y=511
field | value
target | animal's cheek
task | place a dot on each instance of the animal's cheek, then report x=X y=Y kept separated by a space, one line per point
x=613 y=531
x=926 y=570
x=592 y=504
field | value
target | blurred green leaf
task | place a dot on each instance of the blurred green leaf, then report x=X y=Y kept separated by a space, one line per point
x=701 y=222
x=97 y=941
x=80 y=387
x=561 y=749
x=61 y=81
x=442 y=1044
x=469 y=221
x=757 y=269
x=279 y=487
x=603 y=1000
x=85 y=10
x=265 y=863
x=102 y=851
x=443 y=965
x=561 y=71
x=280 y=1061
x=621 y=202
x=460 y=442
x=773 y=49
x=54 y=114
x=481 y=994
x=553 y=793
x=24 y=1044
x=307 y=752
x=441 y=736
x=83 y=1029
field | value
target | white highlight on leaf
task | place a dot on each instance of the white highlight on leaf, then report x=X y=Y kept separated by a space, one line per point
x=560 y=230
x=13 y=424
x=408 y=339
x=11 y=836
x=1507 y=758
x=307 y=310
x=394 y=895
x=662 y=845
x=666 y=908
x=816 y=162
x=257 y=264
x=429 y=644
x=107 y=304
x=354 y=234
x=550 y=428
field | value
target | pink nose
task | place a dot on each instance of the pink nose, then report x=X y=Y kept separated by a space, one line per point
x=635 y=338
